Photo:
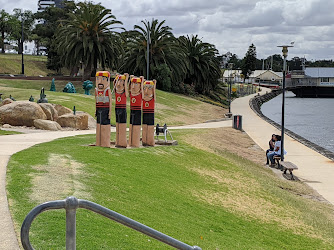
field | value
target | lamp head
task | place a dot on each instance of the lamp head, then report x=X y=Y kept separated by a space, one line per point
x=285 y=49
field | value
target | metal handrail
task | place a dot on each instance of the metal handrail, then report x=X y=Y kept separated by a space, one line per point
x=71 y=204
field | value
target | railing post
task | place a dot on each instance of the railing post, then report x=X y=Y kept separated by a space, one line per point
x=71 y=208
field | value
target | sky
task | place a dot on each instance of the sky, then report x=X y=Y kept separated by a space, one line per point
x=233 y=25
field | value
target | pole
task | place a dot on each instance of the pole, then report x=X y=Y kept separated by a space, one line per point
x=148 y=51
x=230 y=66
x=22 y=38
x=229 y=95
x=71 y=205
x=285 y=54
x=283 y=109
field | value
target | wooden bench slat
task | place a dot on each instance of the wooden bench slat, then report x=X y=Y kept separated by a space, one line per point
x=288 y=165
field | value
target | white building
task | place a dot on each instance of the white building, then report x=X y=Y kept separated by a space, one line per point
x=257 y=76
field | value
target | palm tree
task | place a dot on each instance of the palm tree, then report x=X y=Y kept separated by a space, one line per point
x=203 y=68
x=164 y=49
x=87 y=38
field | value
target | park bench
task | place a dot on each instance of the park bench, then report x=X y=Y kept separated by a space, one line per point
x=285 y=165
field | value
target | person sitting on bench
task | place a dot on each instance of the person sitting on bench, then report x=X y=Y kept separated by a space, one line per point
x=271 y=147
x=277 y=150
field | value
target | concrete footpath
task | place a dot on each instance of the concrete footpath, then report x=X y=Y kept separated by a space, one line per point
x=313 y=168
x=9 y=145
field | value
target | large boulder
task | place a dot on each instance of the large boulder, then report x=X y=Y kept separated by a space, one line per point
x=78 y=121
x=91 y=120
x=50 y=111
x=21 y=113
x=47 y=125
x=62 y=110
x=7 y=101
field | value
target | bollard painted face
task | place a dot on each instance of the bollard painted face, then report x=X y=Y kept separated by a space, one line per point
x=148 y=90
x=102 y=82
x=135 y=86
x=120 y=85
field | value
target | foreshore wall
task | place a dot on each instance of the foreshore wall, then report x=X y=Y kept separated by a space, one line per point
x=256 y=103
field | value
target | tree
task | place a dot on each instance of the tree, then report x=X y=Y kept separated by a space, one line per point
x=5 y=28
x=162 y=74
x=235 y=61
x=249 y=62
x=321 y=63
x=87 y=38
x=44 y=32
x=203 y=66
x=164 y=49
x=274 y=62
x=28 y=22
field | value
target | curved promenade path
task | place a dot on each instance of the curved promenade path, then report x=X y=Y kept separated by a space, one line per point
x=313 y=168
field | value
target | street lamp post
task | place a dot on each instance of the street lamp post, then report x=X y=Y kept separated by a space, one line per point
x=148 y=50
x=230 y=66
x=285 y=54
x=22 y=38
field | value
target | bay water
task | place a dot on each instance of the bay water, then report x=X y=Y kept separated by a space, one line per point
x=311 y=118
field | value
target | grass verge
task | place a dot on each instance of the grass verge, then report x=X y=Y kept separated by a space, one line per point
x=203 y=196
x=5 y=132
x=171 y=108
x=34 y=65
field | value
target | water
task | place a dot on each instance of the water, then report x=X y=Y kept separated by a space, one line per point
x=311 y=118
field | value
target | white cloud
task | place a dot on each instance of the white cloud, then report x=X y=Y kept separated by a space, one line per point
x=234 y=25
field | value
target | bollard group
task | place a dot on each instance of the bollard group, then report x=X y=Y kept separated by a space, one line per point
x=141 y=94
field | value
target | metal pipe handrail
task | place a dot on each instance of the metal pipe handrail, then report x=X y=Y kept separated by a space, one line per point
x=71 y=204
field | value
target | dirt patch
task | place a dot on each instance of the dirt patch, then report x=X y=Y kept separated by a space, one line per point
x=59 y=178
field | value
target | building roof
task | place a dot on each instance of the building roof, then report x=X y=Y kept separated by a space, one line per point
x=319 y=72
x=279 y=74
x=255 y=73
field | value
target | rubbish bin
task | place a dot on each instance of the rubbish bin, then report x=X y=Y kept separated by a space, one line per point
x=237 y=122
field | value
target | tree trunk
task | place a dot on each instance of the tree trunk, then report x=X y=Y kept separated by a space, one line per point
x=87 y=72
x=37 y=47
x=74 y=71
x=93 y=73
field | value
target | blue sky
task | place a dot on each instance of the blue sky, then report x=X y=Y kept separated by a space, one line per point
x=234 y=25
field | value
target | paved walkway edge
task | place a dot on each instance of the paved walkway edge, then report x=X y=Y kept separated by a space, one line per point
x=8 y=236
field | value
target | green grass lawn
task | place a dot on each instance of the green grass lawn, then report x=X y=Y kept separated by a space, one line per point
x=34 y=65
x=213 y=200
x=171 y=108
x=4 y=132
